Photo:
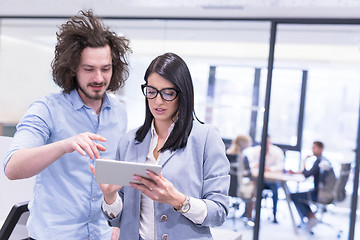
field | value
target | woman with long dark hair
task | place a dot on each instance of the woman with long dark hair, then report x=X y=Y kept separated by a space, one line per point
x=190 y=195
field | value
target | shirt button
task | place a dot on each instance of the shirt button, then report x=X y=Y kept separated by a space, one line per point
x=163 y=218
x=93 y=199
x=165 y=237
x=90 y=220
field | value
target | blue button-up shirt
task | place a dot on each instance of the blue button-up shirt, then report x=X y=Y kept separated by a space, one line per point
x=66 y=202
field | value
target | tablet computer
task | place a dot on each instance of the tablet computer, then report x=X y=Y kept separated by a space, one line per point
x=120 y=172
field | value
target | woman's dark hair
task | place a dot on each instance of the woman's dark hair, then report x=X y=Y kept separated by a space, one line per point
x=171 y=67
x=80 y=32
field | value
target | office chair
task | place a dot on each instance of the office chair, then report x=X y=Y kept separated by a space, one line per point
x=266 y=197
x=235 y=191
x=14 y=225
x=339 y=195
x=234 y=204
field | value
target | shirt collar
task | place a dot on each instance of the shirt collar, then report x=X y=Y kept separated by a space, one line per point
x=78 y=103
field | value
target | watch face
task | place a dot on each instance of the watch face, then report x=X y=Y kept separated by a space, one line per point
x=186 y=207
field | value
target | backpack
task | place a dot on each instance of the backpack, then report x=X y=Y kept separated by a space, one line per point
x=327 y=182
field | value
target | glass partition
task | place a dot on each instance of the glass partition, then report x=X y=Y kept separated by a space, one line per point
x=330 y=55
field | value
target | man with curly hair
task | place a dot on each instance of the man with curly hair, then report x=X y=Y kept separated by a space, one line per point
x=61 y=134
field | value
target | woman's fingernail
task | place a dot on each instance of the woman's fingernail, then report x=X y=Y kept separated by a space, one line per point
x=147 y=172
x=135 y=177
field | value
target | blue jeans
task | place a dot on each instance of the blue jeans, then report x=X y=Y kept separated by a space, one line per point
x=301 y=202
x=273 y=186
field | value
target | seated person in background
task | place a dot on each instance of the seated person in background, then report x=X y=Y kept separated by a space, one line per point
x=246 y=187
x=301 y=199
x=238 y=145
x=274 y=162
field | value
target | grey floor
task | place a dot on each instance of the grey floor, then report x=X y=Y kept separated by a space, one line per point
x=337 y=216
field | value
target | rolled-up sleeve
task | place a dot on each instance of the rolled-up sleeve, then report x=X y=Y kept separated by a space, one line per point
x=32 y=131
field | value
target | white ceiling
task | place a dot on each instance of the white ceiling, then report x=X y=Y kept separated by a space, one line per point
x=187 y=8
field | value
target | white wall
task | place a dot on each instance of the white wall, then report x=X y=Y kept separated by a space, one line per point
x=25 y=73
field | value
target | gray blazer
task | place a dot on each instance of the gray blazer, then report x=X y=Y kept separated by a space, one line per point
x=199 y=170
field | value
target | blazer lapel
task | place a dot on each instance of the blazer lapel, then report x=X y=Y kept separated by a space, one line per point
x=165 y=156
x=142 y=149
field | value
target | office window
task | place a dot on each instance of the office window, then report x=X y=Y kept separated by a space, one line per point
x=284 y=105
x=330 y=55
x=332 y=106
x=232 y=102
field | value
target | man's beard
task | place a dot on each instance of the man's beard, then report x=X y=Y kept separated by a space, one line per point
x=97 y=95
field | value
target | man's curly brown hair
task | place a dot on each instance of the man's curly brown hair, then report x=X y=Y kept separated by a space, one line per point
x=87 y=30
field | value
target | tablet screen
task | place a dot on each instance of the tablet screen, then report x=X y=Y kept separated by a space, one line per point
x=120 y=172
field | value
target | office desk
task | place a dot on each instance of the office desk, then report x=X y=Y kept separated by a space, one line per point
x=283 y=178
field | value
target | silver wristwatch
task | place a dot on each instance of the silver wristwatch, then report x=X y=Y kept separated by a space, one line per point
x=185 y=206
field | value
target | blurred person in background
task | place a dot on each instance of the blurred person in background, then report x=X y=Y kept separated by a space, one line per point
x=245 y=184
x=274 y=162
x=322 y=172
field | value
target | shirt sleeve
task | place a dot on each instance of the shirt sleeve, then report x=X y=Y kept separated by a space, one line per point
x=33 y=130
x=277 y=159
x=197 y=212
x=113 y=210
x=314 y=169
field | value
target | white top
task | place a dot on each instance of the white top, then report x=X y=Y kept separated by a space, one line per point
x=274 y=159
x=196 y=214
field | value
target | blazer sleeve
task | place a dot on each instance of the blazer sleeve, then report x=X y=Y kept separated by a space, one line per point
x=216 y=183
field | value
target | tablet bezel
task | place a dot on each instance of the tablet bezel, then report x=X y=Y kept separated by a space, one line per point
x=121 y=173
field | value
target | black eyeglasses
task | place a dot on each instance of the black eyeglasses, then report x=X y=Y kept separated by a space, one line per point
x=168 y=94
